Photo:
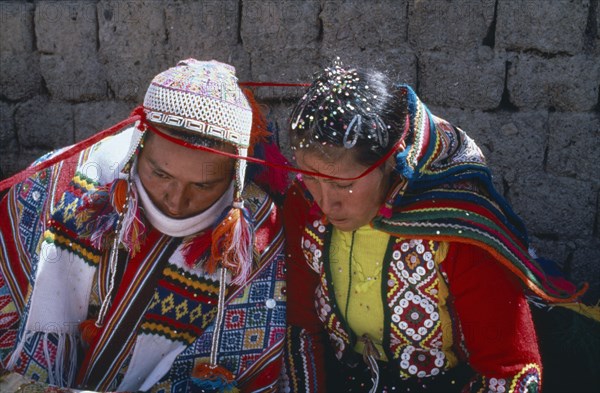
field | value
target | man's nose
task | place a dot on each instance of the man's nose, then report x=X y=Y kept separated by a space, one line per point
x=176 y=199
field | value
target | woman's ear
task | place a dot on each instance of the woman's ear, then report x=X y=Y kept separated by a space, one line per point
x=390 y=164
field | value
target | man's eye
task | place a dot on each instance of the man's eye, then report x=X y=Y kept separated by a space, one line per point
x=202 y=186
x=159 y=174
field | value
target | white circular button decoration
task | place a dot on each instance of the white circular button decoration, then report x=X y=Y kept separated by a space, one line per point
x=396 y=255
x=270 y=303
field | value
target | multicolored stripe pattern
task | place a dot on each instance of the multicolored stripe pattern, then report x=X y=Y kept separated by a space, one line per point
x=449 y=196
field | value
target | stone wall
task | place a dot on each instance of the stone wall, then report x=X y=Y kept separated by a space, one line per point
x=522 y=77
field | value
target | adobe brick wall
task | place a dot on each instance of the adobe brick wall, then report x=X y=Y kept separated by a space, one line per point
x=522 y=77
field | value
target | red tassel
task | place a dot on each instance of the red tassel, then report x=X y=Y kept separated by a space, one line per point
x=196 y=247
x=386 y=210
x=89 y=331
x=273 y=178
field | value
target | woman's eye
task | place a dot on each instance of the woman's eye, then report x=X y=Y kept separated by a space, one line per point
x=343 y=186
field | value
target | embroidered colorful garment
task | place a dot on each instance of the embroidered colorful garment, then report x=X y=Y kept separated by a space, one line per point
x=159 y=324
x=452 y=278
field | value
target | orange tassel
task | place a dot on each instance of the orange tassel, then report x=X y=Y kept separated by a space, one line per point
x=233 y=246
x=222 y=237
x=207 y=371
x=89 y=331
x=119 y=195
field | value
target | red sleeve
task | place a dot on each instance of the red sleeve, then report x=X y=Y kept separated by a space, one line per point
x=302 y=281
x=494 y=315
x=304 y=358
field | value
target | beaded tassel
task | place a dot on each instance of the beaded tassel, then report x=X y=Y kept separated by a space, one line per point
x=211 y=376
x=91 y=328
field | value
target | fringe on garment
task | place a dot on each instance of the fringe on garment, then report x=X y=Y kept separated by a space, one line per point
x=61 y=368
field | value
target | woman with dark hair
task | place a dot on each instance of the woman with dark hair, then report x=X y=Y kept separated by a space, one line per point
x=407 y=271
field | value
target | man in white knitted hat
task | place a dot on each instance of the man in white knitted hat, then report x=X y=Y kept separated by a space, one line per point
x=148 y=262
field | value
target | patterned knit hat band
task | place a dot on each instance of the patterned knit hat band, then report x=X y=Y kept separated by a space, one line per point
x=201 y=97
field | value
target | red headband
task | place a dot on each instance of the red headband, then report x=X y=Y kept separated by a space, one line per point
x=138 y=114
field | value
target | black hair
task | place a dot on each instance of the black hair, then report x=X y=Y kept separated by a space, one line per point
x=193 y=138
x=352 y=108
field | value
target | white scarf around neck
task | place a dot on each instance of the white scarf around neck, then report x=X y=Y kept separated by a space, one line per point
x=186 y=226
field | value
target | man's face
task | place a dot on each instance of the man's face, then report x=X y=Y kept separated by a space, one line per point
x=180 y=181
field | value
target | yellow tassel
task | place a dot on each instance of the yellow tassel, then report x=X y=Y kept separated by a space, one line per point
x=592 y=312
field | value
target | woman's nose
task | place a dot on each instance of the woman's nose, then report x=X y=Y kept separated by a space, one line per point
x=328 y=200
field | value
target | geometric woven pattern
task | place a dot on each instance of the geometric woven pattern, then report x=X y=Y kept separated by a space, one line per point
x=254 y=319
x=202 y=97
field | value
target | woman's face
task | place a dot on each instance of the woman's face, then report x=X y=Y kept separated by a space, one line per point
x=348 y=205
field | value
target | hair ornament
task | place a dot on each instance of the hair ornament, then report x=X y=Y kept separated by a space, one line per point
x=348 y=141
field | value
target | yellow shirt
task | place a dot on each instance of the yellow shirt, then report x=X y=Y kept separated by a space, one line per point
x=357 y=281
